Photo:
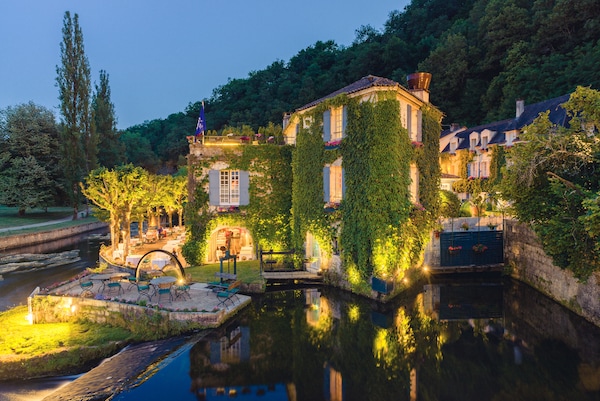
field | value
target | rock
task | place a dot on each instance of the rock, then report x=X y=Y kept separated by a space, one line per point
x=28 y=261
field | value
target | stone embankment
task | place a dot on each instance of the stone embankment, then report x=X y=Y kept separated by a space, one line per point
x=529 y=264
x=43 y=236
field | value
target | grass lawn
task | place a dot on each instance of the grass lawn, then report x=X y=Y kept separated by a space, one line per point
x=9 y=216
x=53 y=348
x=248 y=271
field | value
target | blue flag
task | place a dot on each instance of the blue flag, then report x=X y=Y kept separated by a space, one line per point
x=201 y=126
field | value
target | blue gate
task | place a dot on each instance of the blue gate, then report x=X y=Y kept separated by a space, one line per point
x=466 y=248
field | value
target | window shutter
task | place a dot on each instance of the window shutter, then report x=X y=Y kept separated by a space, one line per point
x=344 y=120
x=327 y=126
x=326 y=184
x=213 y=187
x=244 y=188
x=343 y=183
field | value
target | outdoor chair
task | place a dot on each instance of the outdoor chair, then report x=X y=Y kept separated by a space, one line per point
x=86 y=287
x=144 y=289
x=164 y=290
x=114 y=284
x=183 y=290
x=132 y=280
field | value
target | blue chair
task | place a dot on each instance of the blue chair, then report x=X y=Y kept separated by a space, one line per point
x=114 y=284
x=86 y=287
x=144 y=289
x=164 y=289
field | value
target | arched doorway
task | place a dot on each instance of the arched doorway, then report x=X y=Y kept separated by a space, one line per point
x=236 y=239
x=159 y=260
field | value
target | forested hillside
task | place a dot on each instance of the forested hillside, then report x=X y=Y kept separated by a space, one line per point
x=483 y=54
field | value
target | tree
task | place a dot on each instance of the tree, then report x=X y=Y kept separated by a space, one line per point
x=111 y=151
x=552 y=181
x=77 y=140
x=118 y=192
x=29 y=177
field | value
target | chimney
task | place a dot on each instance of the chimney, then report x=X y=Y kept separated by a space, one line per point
x=418 y=85
x=520 y=107
x=286 y=119
x=454 y=127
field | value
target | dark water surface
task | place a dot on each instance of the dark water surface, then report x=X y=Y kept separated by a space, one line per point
x=461 y=338
x=16 y=287
x=455 y=340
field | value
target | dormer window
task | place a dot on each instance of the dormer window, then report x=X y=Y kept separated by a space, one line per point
x=453 y=145
x=484 y=141
x=473 y=143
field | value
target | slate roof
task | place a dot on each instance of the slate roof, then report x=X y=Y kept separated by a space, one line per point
x=558 y=116
x=363 y=83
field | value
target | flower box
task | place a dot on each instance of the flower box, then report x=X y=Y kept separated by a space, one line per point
x=479 y=248
x=453 y=250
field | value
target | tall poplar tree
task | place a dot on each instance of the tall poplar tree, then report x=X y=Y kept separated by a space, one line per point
x=77 y=140
x=111 y=151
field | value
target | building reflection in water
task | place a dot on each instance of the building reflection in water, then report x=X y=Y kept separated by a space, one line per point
x=453 y=340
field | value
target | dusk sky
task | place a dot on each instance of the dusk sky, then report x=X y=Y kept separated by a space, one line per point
x=163 y=55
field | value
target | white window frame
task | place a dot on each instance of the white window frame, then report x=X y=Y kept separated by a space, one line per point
x=229 y=187
x=335 y=184
x=337 y=123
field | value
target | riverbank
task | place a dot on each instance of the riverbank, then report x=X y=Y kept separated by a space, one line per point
x=16 y=237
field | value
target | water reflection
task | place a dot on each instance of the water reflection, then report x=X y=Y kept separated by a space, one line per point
x=16 y=287
x=470 y=341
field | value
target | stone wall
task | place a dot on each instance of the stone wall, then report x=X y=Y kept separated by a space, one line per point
x=19 y=240
x=51 y=308
x=529 y=264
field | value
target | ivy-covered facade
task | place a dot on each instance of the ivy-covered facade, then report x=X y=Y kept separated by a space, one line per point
x=366 y=179
x=353 y=190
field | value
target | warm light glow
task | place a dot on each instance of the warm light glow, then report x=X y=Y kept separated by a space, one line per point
x=353 y=275
x=380 y=344
x=29 y=318
x=73 y=309
x=354 y=313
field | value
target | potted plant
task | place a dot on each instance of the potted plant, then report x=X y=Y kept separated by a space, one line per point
x=453 y=250
x=465 y=226
x=492 y=226
x=479 y=248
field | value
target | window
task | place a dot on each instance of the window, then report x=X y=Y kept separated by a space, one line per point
x=473 y=143
x=484 y=142
x=409 y=122
x=336 y=123
x=335 y=184
x=483 y=170
x=229 y=187
x=453 y=145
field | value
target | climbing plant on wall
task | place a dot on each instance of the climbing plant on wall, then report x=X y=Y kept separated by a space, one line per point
x=307 y=187
x=268 y=213
x=376 y=157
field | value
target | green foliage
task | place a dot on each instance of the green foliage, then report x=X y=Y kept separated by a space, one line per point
x=111 y=151
x=29 y=174
x=449 y=204
x=307 y=186
x=377 y=154
x=78 y=146
x=267 y=214
x=551 y=179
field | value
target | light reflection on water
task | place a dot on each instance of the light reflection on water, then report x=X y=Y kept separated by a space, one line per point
x=450 y=342
x=36 y=389
x=457 y=339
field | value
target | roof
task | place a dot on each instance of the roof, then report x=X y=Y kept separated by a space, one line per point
x=363 y=83
x=558 y=115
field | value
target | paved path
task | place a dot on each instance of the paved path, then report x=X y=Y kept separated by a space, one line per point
x=41 y=224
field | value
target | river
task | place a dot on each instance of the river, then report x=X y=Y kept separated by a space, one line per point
x=459 y=338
